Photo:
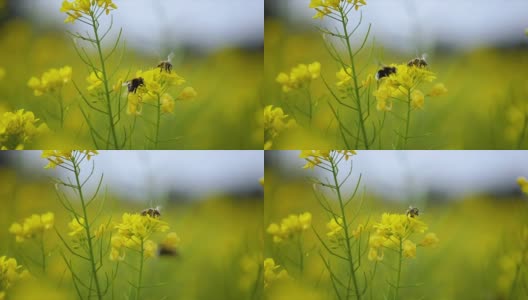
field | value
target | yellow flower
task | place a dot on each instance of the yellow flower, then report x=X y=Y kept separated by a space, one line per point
x=290 y=226
x=316 y=157
x=149 y=249
x=357 y=232
x=270 y=272
x=344 y=78
x=167 y=104
x=58 y=157
x=523 y=184
x=50 y=81
x=325 y=7
x=76 y=226
x=188 y=93
x=430 y=240
x=375 y=254
x=409 y=249
x=117 y=252
x=10 y=272
x=95 y=82
x=136 y=225
x=275 y=121
x=334 y=226
x=18 y=129
x=299 y=76
x=172 y=240
x=79 y=8
x=438 y=89
x=417 y=99
x=32 y=227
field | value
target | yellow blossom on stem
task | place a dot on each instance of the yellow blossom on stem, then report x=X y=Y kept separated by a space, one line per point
x=275 y=122
x=10 y=272
x=77 y=227
x=430 y=240
x=85 y=8
x=315 y=157
x=188 y=93
x=409 y=249
x=438 y=89
x=50 y=81
x=523 y=184
x=271 y=272
x=417 y=99
x=290 y=226
x=33 y=226
x=334 y=226
x=59 y=157
x=327 y=7
x=19 y=128
x=299 y=76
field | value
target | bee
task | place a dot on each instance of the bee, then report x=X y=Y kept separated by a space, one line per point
x=418 y=62
x=152 y=212
x=413 y=212
x=165 y=250
x=385 y=72
x=134 y=84
x=166 y=65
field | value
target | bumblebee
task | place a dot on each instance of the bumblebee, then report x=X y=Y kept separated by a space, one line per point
x=165 y=250
x=412 y=212
x=134 y=84
x=152 y=212
x=166 y=65
x=385 y=72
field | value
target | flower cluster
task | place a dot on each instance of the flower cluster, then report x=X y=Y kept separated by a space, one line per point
x=394 y=231
x=290 y=226
x=316 y=157
x=271 y=273
x=299 y=76
x=10 y=272
x=523 y=184
x=51 y=81
x=275 y=121
x=133 y=233
x=326 y=7
x=335 y=228
x=19 y=128
x=32 y=227
x=155 y=87
x=89 y=8
x=403 y=85
x=59 y=157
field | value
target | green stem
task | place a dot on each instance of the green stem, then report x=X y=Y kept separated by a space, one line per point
x=301 y=256
x=105 y=83
x=523 y=132
x=347 y=235
x=140 y=275
x=61 y=105
x=408 y=120
x=158 y=122
x=399 y=270
x=87 y=230
x=356 y=86
x=43 y=249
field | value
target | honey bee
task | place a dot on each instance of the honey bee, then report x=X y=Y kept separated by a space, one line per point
x=165 y=250
x=152 y=212
x=166 y=65
x=385 y=72
x=134 y=84
x=413 y=212
x=418 y=62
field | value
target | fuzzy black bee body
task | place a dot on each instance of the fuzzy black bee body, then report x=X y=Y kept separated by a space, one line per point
x=385 y=72
x=134 y=84
x=152 y=212
x=413 y=212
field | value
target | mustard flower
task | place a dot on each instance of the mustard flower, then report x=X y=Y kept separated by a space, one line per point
x=275 y=122
x=88 y=8
x=343 y=77
x=405 y=80
x=33 y=226
x=271 y=272
x=167 y=104
x=523 y=184
x=58 y=157
x=290 y=226
x=326 y=7
x=315 y=157
x=50 y=81
x=150 y=249
x=395 y=230
x=10 y=272
x=171 y=241
x=188 y=93
x=77 y=227
x=138 y=226
x=334 y=226
x=95 y=82
x=299 y=76
x=19 y=128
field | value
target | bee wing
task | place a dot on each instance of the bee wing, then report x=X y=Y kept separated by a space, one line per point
x=425 y=56
x=170 y=57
